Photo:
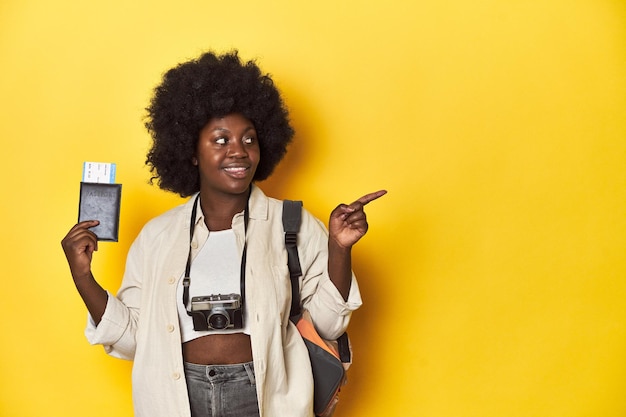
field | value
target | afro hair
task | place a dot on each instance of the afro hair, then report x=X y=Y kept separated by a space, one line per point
x=198 y=90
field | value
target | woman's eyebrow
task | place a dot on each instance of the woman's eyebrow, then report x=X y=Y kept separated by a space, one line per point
x=225 y=129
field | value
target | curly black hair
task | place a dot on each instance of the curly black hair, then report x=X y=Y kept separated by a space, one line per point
x=198 y=90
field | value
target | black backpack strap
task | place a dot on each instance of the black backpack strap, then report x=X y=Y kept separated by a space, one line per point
x=343 y=346
x=292 y=215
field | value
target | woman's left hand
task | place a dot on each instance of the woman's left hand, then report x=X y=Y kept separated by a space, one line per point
x=348 y=223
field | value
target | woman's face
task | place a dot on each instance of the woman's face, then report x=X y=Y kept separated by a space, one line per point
x=227 y=154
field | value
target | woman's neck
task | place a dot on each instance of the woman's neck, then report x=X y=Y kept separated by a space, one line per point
x=219 y=209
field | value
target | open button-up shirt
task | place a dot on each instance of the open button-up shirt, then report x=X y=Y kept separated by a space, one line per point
x=141 y=322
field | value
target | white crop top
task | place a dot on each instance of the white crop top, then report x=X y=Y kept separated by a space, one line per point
x=215 y=270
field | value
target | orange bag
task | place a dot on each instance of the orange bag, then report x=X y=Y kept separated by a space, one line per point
x=329 y=372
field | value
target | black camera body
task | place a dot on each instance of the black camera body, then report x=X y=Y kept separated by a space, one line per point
x=217 y=312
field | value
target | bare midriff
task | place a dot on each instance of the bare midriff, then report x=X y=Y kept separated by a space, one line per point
x=218 y=349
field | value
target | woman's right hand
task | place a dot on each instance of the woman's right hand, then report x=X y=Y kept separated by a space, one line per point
x=79 y=245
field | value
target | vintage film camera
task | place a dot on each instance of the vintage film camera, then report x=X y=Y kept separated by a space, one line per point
x=216 y=312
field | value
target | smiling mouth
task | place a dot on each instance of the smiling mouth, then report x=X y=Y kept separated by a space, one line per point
x=237 y=172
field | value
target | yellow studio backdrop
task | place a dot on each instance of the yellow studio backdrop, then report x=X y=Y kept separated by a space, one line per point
x=494 y=272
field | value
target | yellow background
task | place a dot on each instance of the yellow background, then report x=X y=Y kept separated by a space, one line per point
x=494 y=271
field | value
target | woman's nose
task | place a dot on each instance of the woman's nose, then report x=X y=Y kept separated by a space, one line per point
x=237 y=149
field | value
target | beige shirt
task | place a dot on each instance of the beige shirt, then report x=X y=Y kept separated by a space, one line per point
x=141 y=323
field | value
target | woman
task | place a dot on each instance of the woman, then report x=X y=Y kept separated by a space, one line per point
x=203 y=309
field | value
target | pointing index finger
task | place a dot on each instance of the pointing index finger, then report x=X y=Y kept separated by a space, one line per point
x=367 y=198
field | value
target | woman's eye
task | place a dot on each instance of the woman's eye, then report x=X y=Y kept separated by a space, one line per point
x=249 y=140
x=221 y=140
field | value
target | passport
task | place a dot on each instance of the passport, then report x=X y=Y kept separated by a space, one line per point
x=99 y=201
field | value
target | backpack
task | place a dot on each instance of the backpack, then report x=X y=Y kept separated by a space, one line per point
x=329 y=359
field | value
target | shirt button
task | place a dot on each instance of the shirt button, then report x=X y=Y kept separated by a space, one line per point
x=194 y=245
x=170 y=328
x=171 y=280
x=176 y=376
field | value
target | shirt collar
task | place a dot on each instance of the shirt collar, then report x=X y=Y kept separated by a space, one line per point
x=258 y=207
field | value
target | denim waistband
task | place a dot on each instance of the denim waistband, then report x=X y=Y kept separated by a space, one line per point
x=219 y=373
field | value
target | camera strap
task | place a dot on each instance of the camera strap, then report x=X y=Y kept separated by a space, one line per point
x=242 y=274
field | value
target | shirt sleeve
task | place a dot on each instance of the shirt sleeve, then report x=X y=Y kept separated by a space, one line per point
x=118 y=327
x=111 y=331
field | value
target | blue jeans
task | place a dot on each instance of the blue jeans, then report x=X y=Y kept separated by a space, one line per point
x=222 y=390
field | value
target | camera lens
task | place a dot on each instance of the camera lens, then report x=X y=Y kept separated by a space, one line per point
x=218 y=321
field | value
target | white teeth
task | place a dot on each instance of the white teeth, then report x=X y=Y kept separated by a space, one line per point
x=235 y=169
